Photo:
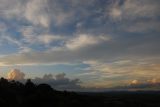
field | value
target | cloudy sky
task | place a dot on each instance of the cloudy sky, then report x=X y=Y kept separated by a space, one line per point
x=95 y=43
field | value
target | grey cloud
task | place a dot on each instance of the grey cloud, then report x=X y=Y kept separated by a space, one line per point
x=58 y=13
x=60 y=82
x=136 y=16
x=47 y=76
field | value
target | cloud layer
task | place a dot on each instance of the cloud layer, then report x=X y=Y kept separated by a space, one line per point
x=115 y=39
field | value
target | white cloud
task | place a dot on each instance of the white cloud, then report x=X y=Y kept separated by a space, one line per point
x=84 y=40
x=31 y=36
x=115 y=13
x=36 y=12
x=134 y=82
x=15 y=74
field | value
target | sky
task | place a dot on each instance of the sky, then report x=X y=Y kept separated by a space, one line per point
x=88 y=43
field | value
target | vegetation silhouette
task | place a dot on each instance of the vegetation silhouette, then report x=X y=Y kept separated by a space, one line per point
x=16 y=94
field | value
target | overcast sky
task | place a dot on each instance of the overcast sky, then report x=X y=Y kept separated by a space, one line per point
x=103 y=43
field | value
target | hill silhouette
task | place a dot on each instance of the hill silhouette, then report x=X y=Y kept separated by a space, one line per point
x=16 y=94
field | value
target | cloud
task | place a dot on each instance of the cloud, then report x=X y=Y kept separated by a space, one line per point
x=11 y=9
x=153 y=81
x=36 y=12
x=134 y=82
x=115 y=13
x=15 y=74
x=141 y=9
x=48 y=76
x=147 y=85
x=47 y=39
x=134 y=15
x=76 y=48
x=59 y=82
x=84 y=40
x=32 y=36
x=11 y=40
x=132 y=9
x=60 y=76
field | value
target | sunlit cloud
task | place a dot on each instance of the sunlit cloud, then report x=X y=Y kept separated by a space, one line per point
x=15 y=74
x=134 y=82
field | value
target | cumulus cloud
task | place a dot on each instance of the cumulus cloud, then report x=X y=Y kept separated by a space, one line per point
x=59 y=82
x=134 y=82
x=15 y=74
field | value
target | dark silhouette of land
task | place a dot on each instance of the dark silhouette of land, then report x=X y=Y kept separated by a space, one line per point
x=16 y=94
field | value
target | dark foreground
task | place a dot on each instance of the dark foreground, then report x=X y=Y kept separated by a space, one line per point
x=16 y=94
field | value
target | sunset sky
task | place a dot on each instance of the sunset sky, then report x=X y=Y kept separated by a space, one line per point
x=92 y=43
